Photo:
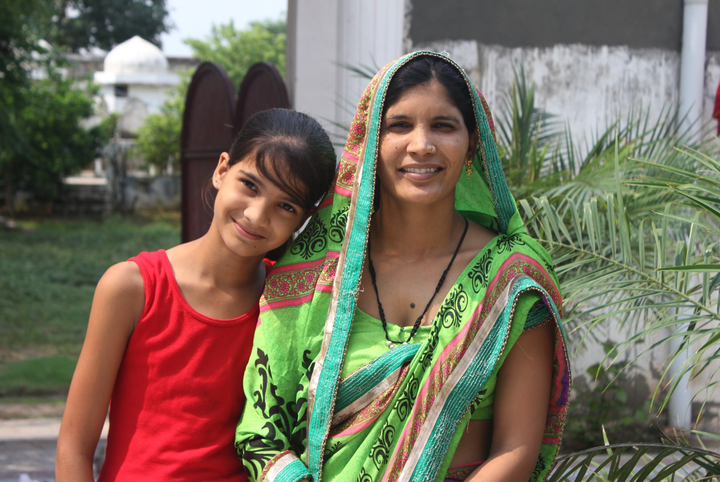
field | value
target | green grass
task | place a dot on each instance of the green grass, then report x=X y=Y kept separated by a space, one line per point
x=37 y=376
x=48 y=273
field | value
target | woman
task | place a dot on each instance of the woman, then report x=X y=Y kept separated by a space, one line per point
x=413 y=331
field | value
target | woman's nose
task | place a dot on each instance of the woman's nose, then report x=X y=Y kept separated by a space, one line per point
x=421 y=142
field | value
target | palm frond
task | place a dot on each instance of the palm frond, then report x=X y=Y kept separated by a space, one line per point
x=637 y=462
x=658 y=273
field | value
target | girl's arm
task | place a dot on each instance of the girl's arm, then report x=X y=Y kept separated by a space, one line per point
x=117 y=305
x=521 y=401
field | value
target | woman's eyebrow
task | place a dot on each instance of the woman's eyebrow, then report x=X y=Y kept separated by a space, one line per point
x=436 y=118
x=447 y=118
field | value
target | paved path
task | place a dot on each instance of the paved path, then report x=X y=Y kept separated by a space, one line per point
x=27 y=449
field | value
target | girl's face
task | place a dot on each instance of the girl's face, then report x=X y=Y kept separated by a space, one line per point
x=253 y=215
x=423 y=146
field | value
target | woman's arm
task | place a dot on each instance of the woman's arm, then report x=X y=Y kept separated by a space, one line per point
x=117 y=305
x=521 y=401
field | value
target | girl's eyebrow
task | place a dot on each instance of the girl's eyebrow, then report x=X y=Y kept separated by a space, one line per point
x=252 y=177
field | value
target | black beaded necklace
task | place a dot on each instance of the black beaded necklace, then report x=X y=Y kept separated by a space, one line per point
x=416 y=326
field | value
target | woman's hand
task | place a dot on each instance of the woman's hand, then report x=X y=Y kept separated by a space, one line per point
x=520 y=408
x=117 y=306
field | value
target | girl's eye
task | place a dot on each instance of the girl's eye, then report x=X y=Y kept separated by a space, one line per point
x=249 y=184
x=288 y=207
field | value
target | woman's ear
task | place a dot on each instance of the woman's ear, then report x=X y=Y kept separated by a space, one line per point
x=473 y=145
x=221 y=170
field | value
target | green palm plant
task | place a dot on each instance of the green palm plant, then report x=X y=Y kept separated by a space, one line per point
x=635 y=463
x=540 y=157
x=635 y=271
x=530 y=141
x=652 y=275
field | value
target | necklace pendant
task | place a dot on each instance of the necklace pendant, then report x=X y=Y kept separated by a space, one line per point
x=390 y=344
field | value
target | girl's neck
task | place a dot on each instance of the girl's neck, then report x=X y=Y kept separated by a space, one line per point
x=222 y=268
x=415 y=231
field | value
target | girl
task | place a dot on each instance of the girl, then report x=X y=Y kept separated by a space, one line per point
x=423 y=340
x=170 y=332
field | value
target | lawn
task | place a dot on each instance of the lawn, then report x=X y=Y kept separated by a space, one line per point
x=48 y=273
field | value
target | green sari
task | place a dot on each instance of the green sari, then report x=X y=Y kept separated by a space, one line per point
x=401 y=416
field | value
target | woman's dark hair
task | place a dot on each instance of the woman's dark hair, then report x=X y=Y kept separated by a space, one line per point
x=425 y=69
x=293 y=151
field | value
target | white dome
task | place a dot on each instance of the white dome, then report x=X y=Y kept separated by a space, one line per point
x=135 y=56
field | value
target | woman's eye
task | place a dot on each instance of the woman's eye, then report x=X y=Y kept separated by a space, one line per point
x=444 y=125
x=398 y=125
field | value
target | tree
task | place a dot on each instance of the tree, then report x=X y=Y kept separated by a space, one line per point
x=158 y=141
x=54 y=143
x=21 y=31
x=235 y=50
x=82 y=24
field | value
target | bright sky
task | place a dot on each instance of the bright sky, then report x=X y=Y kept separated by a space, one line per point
x=193 y=18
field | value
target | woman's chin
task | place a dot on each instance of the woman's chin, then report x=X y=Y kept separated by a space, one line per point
x=424 y=197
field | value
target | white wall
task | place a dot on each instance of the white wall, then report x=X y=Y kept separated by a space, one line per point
x=324 y=35
x=586 y=86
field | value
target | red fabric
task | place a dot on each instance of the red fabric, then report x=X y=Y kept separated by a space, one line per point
x=178 y=393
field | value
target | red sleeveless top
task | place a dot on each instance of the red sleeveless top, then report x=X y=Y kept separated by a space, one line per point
x=179 y=393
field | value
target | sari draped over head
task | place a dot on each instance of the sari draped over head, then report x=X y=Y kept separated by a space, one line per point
x=401 y=416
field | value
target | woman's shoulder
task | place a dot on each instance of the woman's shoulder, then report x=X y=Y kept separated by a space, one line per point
x=478 y=237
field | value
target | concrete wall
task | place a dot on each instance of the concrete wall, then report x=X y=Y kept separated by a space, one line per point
x=586 y=86
x=637 y=24
x=590 y=61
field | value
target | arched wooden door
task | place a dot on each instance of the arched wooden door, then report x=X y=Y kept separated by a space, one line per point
x=207 y=132
x=262 y=88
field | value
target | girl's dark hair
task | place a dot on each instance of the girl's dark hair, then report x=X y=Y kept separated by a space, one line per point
x=293 y=151
x=425 y=69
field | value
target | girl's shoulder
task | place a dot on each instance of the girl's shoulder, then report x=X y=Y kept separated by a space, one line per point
x=124 y=279
x=119 y=299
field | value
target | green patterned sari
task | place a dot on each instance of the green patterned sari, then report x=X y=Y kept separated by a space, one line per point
x=401 y=416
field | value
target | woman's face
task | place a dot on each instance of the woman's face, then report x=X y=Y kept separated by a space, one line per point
x=253 y=215
x=423 y=146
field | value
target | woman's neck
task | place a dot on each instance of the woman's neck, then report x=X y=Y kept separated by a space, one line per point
x=415 y=231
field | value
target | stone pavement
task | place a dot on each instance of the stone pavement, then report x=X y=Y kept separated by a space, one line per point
x=27 y=449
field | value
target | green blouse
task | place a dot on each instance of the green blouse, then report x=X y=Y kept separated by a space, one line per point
x=367 y=342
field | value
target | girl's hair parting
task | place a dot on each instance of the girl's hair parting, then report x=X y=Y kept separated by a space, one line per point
x=423 y=70
x=293 y=151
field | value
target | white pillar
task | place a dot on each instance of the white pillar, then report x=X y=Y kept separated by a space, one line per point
x=324 y=36
x=692 y=64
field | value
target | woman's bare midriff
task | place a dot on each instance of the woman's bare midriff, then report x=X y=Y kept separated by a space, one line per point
x=474 y=445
